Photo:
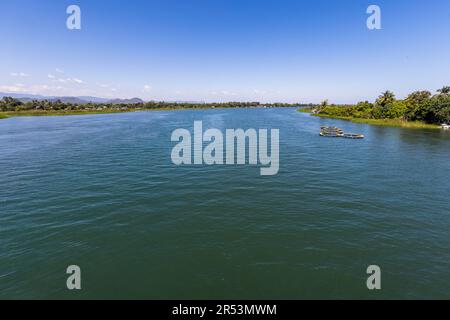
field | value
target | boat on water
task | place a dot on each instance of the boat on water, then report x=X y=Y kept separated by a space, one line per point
x=353 y=136
x=331 y=134
x=330 y=128
x=445 y=126
x=335 y=132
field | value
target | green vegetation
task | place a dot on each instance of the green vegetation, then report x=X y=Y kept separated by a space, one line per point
x=40 y=113
x=420 y=109
x=386 y=122
x=10 y=107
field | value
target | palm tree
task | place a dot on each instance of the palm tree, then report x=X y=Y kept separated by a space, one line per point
x=445 y=90
x=386 y=98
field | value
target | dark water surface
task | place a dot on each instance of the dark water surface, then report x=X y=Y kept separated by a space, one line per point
x=100 y=191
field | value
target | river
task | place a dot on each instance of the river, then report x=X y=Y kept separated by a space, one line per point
x=101 y=192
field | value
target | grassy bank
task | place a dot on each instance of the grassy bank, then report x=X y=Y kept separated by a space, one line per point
x=10 y=114
x=384 y=122
x=49 y=113
x=4 y=115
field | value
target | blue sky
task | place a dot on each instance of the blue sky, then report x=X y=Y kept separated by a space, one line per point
x=224 y=50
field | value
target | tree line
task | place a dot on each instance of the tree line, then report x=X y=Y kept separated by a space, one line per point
x=9 y=104
x=417 y=106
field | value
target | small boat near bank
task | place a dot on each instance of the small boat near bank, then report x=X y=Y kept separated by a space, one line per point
x=331 y=134
x=445 y=126
x=335 y=132
x=353 y=136
x=330 y=128
x=331 y=131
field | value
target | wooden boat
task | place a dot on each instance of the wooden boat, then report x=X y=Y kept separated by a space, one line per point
x=353 y=136
x=339 y=133
x=331 y=134
x=330 y=129
x=335 y=132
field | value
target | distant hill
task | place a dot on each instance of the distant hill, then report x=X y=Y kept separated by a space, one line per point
x=93 y=99
x=24 y=97
x=126 y=101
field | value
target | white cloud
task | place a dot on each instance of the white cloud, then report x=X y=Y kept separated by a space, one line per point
x=256 y=91
x=147 y=88
x=19 y=74
x=34 y=89
x=227 y=93
x=59 y=70
x=12 y=88
x=76 y=80
x=64 y=80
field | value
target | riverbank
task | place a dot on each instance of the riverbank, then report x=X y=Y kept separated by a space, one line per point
x=5 y=115
x=51 y=113
x=380 y=122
